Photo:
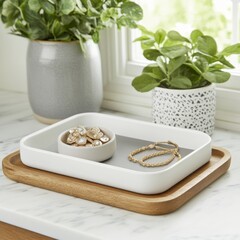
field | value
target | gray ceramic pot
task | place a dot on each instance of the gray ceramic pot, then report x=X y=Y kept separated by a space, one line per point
x=62 y=81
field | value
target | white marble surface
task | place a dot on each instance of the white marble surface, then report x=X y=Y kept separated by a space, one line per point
x=212 y=215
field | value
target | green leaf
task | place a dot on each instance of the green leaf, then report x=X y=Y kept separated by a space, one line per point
x=67 y=6
x=95 y=37
x=109 y=14
x=81 y=9
x=81 y=43
x=175 y=63
x=37 y=34
x=201 y=63
x=176 y=36
x=48 y=7
x=126 y=21
x=22 y=28
x=159 y=36
x=56 y=29
x=87 y=3
x=155 y=69
x=144 y=83
x=66 y=37
x=161 y=64
x=132 y=10
x=34 y=5
x=187 y=71
x=97 y=4
x=169 y=43
x=207 y=44
x=210 y=59
x=1 y=3
x=193 y=67
x=67 y=20
x=224 y=61
x=10 y=12
x=151 y=54
x=142 y=38
x=216 y=76
x=174 y=51
x=147 y=44
x=38 y=29
x=84 y=27
x=233 y=49
x=216 y=66
x=153 y=75
x=150 y=67
x=180 y=82
x=145 y=31
x=105 y=15
x=92 y=12
x=195 y=34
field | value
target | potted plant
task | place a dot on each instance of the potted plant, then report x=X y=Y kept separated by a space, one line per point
x=182 y=76
x=63 y=59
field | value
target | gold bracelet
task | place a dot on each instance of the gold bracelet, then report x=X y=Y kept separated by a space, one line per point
x=161 y=151
x=168 y=143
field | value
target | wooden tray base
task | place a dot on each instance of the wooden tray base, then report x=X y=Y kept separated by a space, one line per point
x=156 y=204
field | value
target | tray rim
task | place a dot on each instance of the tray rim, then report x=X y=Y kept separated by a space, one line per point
x=83 y=161
x=155 y=204
x=26 y=150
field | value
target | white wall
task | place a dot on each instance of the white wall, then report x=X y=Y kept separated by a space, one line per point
x=12 y=61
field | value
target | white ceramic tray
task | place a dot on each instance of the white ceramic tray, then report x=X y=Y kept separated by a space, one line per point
x=39 y=150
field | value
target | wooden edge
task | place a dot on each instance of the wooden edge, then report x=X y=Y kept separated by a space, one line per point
x=10 y=232
x=156 y=204
x=199 y=182
x=6 y=163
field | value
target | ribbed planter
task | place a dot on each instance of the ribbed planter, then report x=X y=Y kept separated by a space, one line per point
x=62 y=81
x=193 y=108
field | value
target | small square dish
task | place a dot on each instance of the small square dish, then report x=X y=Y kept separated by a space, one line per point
x=39 y=150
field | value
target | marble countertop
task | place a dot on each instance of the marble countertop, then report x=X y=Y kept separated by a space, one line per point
x=212 y=215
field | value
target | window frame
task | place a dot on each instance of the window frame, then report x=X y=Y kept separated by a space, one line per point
x=119 y=95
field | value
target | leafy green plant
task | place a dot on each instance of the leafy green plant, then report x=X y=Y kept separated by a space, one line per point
x=67 y=20
x=180 y=62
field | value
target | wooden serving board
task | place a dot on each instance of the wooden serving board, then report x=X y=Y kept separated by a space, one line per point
x=156 y=204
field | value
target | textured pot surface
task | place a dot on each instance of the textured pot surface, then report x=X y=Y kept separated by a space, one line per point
x=193 y=108
x=61 y=80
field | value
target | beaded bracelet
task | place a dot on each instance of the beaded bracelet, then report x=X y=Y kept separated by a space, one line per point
x=160 y=151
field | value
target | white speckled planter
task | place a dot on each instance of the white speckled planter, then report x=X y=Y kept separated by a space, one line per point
x=193 y=108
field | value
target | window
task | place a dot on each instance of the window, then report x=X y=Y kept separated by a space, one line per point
x=213 y=17
x=122 y=59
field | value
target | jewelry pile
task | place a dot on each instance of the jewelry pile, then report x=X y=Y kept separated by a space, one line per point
x=171 y=148
x=86 y=137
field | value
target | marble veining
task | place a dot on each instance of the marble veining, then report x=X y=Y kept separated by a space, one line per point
x=212 y=215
